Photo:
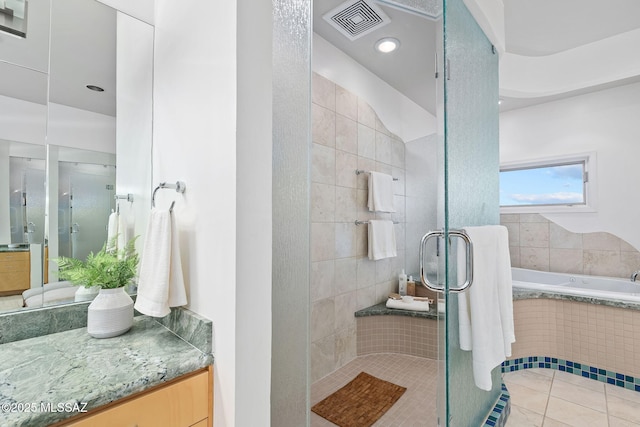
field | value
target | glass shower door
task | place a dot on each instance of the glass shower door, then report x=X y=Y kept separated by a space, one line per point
x=471 y=191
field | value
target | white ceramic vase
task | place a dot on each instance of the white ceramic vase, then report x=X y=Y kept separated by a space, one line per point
x=86 y=294
x=110 y=314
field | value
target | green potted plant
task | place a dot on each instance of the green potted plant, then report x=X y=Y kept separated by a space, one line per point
x=111 y=312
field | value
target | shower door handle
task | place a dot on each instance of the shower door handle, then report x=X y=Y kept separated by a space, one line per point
x=469 y=260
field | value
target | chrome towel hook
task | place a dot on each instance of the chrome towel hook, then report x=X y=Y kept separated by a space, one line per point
x=179 y=186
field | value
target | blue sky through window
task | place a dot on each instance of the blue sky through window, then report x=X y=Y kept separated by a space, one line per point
x=545 y=185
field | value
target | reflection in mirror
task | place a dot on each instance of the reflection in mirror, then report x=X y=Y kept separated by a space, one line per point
x=22 y=202
x=72 y=44
x=99 y=141
x=23 y=118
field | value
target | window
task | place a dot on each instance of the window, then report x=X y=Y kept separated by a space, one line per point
x=560 y=184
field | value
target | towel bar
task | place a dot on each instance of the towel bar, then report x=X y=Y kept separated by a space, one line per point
x=359 y=171
x=358 y=222
x=127 y=196
x=179 y=186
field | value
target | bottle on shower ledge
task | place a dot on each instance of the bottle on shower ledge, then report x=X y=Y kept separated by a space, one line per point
x=402 y=283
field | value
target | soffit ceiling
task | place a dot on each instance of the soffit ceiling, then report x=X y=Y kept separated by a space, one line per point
x=532 y=28
x=83 y=51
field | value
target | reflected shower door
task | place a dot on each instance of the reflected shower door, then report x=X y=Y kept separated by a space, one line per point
x=91 y=201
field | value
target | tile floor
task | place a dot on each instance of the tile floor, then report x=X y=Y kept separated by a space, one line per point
x=416 y=407
x=550 y=398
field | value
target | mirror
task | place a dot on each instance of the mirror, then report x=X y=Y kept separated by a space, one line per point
x=96 y=116
x=23 y=117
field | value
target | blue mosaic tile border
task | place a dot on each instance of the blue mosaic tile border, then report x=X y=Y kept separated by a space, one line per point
x=500 y=413
x=580 y=369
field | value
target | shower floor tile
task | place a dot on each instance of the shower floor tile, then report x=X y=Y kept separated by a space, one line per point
x=416 y=407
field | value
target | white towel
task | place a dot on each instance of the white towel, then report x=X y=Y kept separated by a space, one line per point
x=125 y=231
x=382 y=239
x=380 y=192
x=413 y=305
x=112 y=232
x=160 y=285
x=485 y=312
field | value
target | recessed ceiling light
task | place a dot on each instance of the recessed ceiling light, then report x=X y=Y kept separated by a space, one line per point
x=387 y=44
x=95 y=88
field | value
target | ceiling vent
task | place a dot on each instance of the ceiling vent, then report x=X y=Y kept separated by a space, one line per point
x=354 y=19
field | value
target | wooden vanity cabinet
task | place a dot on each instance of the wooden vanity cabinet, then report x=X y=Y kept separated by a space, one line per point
x=184 y=402
x=15 y=272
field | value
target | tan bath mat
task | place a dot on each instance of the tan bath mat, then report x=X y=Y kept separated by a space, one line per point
x=360 y=403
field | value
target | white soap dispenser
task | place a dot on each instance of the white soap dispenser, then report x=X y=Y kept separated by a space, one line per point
x=402 y=283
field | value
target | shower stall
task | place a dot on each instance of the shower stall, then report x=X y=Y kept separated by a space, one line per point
x=431 y=121
x=85 y=201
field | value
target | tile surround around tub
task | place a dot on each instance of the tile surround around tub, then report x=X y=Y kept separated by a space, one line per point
x=539 y=244
x=347 y=135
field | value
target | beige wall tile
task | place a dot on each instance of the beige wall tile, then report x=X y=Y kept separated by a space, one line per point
x=602 y=263
x=534 y=235
x=561 y=238
x=345 y=308
x=383 y=148
x=322 y=280
x=346 y=103
x=322 y=358
x=399 y=185
x=345 y=346
x=513 y=228
x=366 y=142
x=346 y=270
x=601 y=241
x=514 y=252
x=346 y=134
x=566 y=261
x=366 y=273
x=346 y=165
x=323 y=92
x=534 y=258
x=397 y=153
x=366 y=297
x=323 y=241
x=346 y=204
x=322 y=319
x=366 y=115
x=505 y=218
x=345 y=239
x=324 y=126
x=365 y=165
x=627 y=247
x=380 y=127
x=323 y=164
x=362 y=239
x=323 y=202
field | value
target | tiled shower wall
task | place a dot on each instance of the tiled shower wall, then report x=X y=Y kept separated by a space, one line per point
x=539 y=244
x=347 y=135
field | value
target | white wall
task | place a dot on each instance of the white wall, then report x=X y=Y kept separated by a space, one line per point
x=605 y=122
x=134 y=129
x=73 y=127
x=195 y=120
x=22 y=121
x=399 y=114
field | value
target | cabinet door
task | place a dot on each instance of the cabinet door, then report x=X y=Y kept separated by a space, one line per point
x=184 y=403
x=15 y=272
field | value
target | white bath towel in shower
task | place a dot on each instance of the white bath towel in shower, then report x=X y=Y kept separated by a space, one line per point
x=485 y=311
x=382 y=239
x=161 y=284
x=380 y=192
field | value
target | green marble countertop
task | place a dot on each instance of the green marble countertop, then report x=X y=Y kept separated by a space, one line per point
x=20 y=248
x=520 y=294
x=382 y=310
x=71 y=368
